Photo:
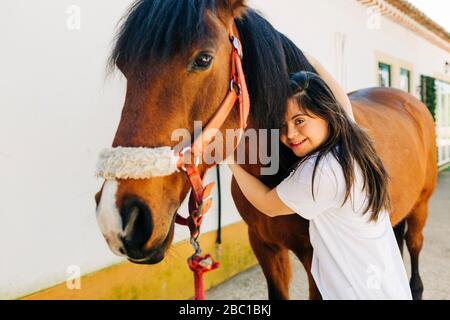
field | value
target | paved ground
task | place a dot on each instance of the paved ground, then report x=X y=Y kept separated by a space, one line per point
x=434 y=260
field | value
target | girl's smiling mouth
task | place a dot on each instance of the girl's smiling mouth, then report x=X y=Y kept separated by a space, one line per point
x=297 y=144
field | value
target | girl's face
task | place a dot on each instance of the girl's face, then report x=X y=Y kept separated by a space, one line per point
x=301 y=133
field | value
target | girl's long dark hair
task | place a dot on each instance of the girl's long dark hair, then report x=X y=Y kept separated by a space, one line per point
x=354 y=144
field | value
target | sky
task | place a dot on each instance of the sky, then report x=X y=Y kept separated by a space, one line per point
x=437 y=10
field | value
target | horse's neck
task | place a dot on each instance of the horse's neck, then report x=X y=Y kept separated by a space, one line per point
x=256 y=169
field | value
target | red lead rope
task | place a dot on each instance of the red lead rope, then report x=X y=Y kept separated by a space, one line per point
x=197 y=209
x=200 y=200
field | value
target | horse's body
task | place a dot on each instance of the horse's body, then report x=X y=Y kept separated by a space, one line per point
x=170 y=98
x=403 y=131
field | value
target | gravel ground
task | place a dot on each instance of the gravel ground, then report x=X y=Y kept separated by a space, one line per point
x=434 y=260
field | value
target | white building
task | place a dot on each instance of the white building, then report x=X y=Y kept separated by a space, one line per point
x=58 y=110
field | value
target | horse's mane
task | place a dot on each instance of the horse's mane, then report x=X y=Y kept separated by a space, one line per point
x=269 y=58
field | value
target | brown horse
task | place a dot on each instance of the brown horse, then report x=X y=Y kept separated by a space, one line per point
x=176 y=58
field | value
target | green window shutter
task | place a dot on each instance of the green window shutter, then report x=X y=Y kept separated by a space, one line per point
x=384 y=75
x=428 y=93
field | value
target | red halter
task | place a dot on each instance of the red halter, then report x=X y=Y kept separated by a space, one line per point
x=200 y=200
x=237 y=97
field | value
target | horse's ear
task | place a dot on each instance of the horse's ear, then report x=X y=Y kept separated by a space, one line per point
x=237 y=7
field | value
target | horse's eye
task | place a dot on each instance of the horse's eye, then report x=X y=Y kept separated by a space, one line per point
x=202 y=62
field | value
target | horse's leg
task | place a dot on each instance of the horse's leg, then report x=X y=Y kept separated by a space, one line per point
x=399 y=231
x=305 y=256
x=414 y=241
x=275 y=264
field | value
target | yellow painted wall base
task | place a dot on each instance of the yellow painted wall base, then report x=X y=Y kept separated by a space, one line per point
x=171 y=279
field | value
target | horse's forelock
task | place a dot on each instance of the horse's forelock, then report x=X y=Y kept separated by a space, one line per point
x=160 y=29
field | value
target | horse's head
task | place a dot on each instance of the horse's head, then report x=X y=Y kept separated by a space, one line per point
x=176 y=57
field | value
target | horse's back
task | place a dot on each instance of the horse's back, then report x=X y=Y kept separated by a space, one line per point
x=389 y=99
x=403 y=131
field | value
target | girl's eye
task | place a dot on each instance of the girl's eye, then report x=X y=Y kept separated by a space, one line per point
x=299 y=121
x=202 y=62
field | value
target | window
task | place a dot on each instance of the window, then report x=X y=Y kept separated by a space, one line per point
x=384 y=72
x=405 y=80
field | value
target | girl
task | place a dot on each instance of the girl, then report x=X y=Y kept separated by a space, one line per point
x=341 y=187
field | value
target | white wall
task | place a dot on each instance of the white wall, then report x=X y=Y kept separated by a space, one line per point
x=313 y=25
x=57 y=112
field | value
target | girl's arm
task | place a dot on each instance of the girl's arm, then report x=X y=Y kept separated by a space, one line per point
x=258 y=194
x=338 y=91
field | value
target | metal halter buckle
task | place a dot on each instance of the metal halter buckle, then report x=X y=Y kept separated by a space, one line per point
x=237 y=45
x=236 y=87
x=196 y=158
x=196 y=246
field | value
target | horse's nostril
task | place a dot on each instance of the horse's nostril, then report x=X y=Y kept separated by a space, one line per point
x=97 y=197
x=136 y=224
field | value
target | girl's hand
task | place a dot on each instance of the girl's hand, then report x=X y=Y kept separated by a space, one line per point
x=258 y=194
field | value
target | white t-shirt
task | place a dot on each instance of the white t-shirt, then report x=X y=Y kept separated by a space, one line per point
x=354 y=258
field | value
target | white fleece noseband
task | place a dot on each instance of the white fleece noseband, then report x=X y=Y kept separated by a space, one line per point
x=136 y=163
